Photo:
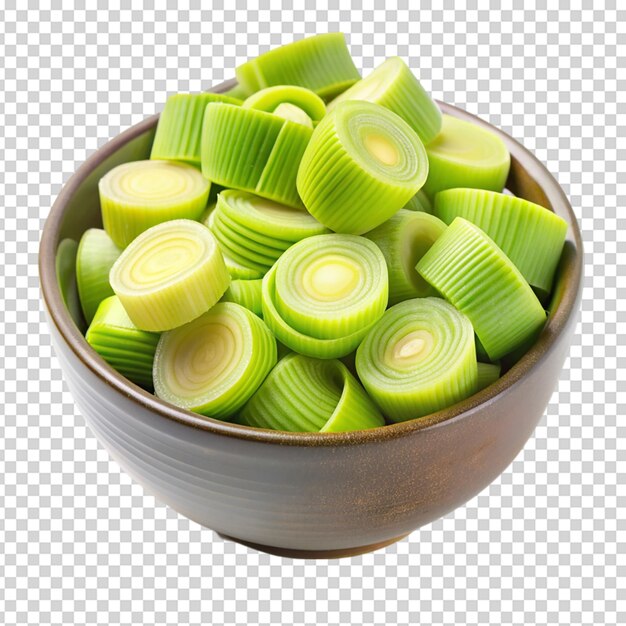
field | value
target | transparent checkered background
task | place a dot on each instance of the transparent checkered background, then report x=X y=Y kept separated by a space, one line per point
x=544 y=544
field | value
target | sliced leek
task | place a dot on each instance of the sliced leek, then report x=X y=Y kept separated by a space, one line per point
x=247 y=293
x=394 y=86
x=419 y=202
x=466 y=155
x=169 y=275
x=321 y=63
x=293 y=113
x=121 y=344
x=473 y=274
x=271 y=98
x=137 y=195
x=302 y=394
x=362 y=164
x=418 y=358
x=488 y=373
x=65 y=267
x=324 y=293
x=254 y=151
x=216 y=362
x=94 y=260
x=404 y=239
x=179 y=130
x=529 y=234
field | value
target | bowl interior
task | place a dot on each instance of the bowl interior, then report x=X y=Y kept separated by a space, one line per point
x=77 y=208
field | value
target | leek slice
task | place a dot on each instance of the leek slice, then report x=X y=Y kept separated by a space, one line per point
x=404 y=239
x=94 y=260
x=324 y=293
x=169 y=275
x=419 y=202
x=473 y=273
x=247 y=293
x=271 y=98
x=65 y=267
x=362 y=164
x=529 y=234
x=393 y=86
x=121 y=344
x=216 y=362
x=253 y=151
x=302 y=394
x=293 y=113
x=466 y=155
x=137 y=195
x=321 y=63
x=488 y=373
x=418 y=358
x=179 y=131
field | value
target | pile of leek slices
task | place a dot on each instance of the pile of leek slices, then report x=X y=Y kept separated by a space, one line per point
x=313 y=251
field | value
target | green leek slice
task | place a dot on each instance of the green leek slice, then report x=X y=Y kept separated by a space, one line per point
x=179 y=131
x=393 y=86
x=302 y=394
x=253 y=151
x=419 y=202
x=169 y=275
x=529 y=234
x=65 y=267
x=94 y=260
x=362 y=164
x=247 y=293
x=137 y=195
x=488 y=373
x=466 y=155
x=404 y=239
x=271 y=98
x=321 y=63
x=472 y=273
x=216 y=362
x=239 y=271
x=293 y=113
x=324 y=293
x=121 y=344
x=418 y=358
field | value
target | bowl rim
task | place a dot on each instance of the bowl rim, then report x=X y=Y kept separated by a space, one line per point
x=530 y=361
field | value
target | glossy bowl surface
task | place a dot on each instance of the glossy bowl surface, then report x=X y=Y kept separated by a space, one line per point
x=309 y=494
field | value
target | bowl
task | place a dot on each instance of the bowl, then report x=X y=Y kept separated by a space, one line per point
x=308 y=494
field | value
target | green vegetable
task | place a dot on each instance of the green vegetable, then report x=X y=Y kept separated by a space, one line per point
x=419 y=202
x=529 y=234
x=247 y=293
x=169 y=275
x=362 y=164
x=121 y=344
x=293 y=113
x=95 y=257
x=404 y=239
x=215 y=363
x=394 y=86
x=137 y=195
x=302 y=394
x=321 y=63
x=271 y=98
x=418 y=358
x=472 y=273
x=488 y=373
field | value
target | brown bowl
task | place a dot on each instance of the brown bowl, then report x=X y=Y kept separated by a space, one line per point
x=309 y=494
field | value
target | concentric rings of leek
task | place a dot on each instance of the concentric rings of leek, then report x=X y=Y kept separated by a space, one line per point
x=472 y=273
x=215 y=363
x=393 y=86
x=169 y=275
x=94 y=259
x=270 y=98
x=302 y=394
x=179 y=130
x=321 y=63
x=404 y=239
x=529 y=234
x=121 y=344
x=137 y=195
x=466 y=155
x=253 y=151
x=362 y=164
x=418 y=358
x=323 y=294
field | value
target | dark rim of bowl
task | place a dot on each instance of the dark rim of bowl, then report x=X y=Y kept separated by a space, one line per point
x=556 y=324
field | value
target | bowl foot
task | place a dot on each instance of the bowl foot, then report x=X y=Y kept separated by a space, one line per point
x=315 y=554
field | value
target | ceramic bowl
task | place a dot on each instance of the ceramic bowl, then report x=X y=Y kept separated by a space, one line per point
x=309 y=494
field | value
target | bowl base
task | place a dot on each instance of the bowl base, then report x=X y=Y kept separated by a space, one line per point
x=315 y=554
